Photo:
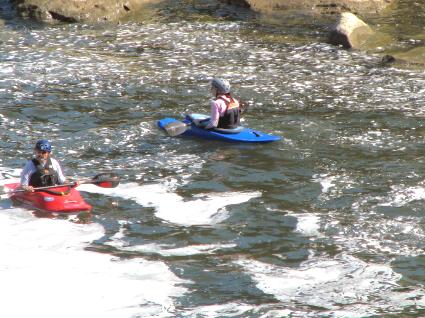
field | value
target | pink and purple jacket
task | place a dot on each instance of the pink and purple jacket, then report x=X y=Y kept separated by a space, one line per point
x=218 y=109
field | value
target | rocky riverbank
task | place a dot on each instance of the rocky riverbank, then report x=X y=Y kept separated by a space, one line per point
x=316 y=6
x=348 y=19
x=116 y=10
x=51 y=11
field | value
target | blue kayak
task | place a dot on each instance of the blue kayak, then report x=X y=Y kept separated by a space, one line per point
x=187 y=128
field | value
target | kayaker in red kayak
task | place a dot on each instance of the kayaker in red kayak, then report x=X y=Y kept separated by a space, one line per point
x=225 y=110
x=42 y=170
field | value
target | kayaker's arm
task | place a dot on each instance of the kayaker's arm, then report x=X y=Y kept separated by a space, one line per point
x=214 y=115
x=25 y=176
x=212 y=121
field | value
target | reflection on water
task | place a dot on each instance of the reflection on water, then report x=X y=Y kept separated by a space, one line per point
x=229 y=225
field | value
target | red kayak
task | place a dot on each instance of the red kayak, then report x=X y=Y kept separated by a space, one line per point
x=64 y=199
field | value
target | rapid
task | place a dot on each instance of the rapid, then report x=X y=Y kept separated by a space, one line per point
x=327 y=222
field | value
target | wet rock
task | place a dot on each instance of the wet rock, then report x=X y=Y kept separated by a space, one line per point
x=388 y=59
x=412 y=59
x=391 y=60
x=414 y=56
x=350 y=32
x=78 y=10
x=240 y=3
x=317 y=6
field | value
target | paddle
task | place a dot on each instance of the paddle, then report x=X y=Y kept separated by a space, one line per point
x=178 y=127
x=104 y=180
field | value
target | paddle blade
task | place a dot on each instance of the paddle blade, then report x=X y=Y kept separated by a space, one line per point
x=106 y=180
x=175 y=128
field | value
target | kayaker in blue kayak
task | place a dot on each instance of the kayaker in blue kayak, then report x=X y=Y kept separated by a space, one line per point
x=42 y=170
x=225 y=109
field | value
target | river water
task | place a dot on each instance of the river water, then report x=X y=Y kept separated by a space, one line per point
x=327 y=222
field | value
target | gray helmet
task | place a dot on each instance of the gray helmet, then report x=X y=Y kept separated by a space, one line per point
x=221 y=85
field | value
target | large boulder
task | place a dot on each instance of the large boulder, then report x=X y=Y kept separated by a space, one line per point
x=350 y=32
x=79 y=10
x=315 y=6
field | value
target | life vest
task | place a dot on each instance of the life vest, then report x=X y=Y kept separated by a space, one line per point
x=44 y=176
x=232 y=115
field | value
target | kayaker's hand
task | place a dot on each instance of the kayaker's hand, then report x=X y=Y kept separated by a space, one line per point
x=75 y=183
x=28 y=188
x=201 y=123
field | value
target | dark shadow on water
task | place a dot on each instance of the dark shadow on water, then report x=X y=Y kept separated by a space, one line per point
x=7 y=12
x=412 y=268
x=11 y=18
x=5 y=204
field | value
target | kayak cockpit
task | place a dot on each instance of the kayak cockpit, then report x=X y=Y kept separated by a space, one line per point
x=201 y=117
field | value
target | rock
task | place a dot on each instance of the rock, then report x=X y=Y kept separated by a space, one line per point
x=388 y=59
x=315 y=6
x=350 y=32
x=410 y=59
x=240 y=3
x=414 y=56
x=79 y=10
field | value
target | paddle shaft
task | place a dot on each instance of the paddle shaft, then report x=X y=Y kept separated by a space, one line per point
x=43 y=188
x=100 y=180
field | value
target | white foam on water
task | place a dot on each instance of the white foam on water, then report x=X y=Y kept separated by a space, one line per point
x=343 y=286
x=7 y=70
x=220 y=310
x=205 y=209
x=307 y=224
x=238 y=309
x=184 y=251
x=400 y=196
x=45 y=264
x=46 y=271
x=334 y=184
x=167 y=250
x=326 y=181
x=11 y=174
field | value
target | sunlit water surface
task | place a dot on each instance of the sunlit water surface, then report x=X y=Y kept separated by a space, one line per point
x=327 y=222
